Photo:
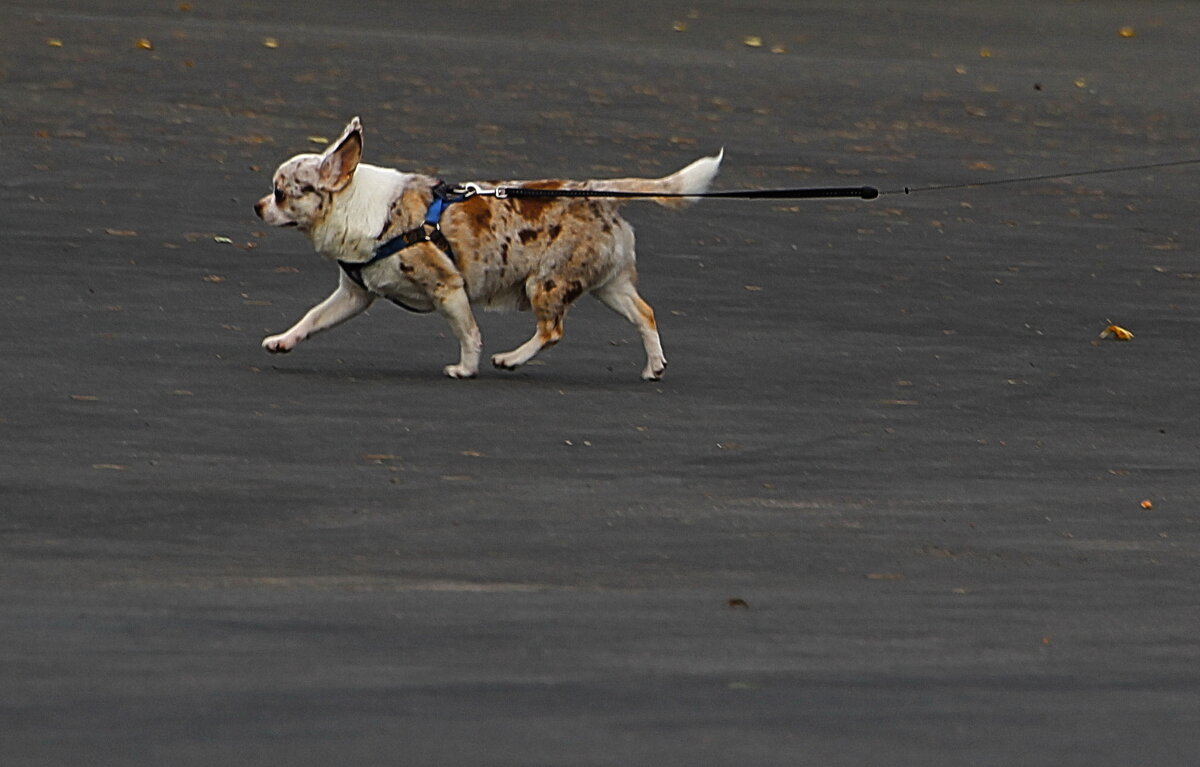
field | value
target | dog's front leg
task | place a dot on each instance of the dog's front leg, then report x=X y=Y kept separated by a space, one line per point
x=347 y=301
x=456 y=308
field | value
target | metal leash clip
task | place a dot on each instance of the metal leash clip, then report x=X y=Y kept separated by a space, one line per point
x=472 y=189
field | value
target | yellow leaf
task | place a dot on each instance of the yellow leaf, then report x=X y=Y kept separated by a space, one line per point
x=1127 y=32
x=144 y=44
x=54 y=42
x=753 y=41
x=270 y=42
x=1117 y=332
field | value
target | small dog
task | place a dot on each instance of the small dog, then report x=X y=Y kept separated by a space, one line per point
x=536 y=254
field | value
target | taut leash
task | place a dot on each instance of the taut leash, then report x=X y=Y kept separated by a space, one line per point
x=507 y=192
x=862 y=192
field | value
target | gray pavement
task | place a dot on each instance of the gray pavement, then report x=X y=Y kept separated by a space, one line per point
x=886 y=508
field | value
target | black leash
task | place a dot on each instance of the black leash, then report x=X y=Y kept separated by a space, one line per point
x=861 y=192
x=508 y=192
x=445 y=195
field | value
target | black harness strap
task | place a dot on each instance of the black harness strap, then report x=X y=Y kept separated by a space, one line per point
x=429 y=231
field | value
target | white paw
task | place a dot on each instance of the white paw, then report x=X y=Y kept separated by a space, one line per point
x=506 y=361
x=654 y=370
x=278 y=344
x=459 y=371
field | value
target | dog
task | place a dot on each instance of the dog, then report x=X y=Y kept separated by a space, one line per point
x=538 y=254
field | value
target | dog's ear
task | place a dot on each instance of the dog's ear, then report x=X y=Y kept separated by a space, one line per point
x=341 y=158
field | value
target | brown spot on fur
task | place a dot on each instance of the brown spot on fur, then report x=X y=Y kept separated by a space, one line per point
x=647 y=313
x=527 y=236
x=573 y=291
x=533 y=208
x=479 y=216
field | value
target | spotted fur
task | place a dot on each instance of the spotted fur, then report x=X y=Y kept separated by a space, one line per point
x=538 y=254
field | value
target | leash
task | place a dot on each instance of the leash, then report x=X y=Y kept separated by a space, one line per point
x=466 y=191
x=1044 y=177
x=445 y=195
x=508 y=192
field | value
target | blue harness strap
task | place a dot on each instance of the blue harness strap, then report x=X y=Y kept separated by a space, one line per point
x=430 y=231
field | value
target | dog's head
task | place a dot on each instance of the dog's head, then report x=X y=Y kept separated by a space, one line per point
x=306 y=184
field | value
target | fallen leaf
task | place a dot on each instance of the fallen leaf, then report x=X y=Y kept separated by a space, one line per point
x=121 y=232
x=223 y=240
x=379 y=457
x=737 y=603
x=213 y=278
x=84 y=397
x=472 y=453
x=1147 y=505
x=1080 y=83
x=981 y=165
x=985 y=53
x=1116 y=332
x=318 y=140
x=679 y=26
x=54 y=42
x=1127 y=32
x=752 y=41
x=144 y=44
x=270 y=42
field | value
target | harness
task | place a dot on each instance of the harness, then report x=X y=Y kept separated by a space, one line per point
x=430 y=230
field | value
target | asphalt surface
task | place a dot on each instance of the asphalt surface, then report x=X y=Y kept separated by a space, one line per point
x=894 y=503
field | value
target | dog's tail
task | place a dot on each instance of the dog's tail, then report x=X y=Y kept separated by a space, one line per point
x=694 y=179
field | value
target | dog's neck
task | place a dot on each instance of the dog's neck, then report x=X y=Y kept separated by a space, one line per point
x=358 y=214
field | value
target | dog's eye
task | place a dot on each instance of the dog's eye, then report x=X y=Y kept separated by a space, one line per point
x=279 y=195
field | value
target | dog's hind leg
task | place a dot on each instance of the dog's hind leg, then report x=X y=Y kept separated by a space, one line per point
x=549 y=301
x=620 y=295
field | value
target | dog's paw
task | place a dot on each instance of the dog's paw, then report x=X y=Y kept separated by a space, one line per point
x=505 y=362
x=278 y=344
x=654 y=370
x=459 y=371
